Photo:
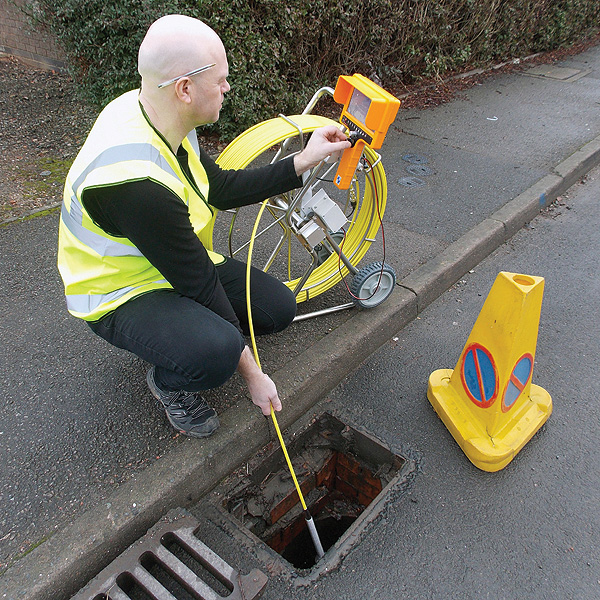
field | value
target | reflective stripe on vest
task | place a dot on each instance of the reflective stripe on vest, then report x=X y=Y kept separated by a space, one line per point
x=86 y=304
x=98 y=243
x=117 y=154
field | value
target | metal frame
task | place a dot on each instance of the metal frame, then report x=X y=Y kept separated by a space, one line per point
x=286 y=216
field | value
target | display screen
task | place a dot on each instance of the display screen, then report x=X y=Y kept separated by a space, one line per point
x=359 y=106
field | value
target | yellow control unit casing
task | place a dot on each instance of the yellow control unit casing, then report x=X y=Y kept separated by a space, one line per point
x=368 y=112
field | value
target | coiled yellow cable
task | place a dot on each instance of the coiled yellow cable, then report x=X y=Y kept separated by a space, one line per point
x=365 y=222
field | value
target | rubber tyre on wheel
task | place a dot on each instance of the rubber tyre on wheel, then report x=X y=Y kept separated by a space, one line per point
x=373 y=284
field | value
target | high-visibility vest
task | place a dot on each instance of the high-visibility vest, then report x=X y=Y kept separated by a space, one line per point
x=101 y=271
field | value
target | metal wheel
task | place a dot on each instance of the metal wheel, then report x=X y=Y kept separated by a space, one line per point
x=373 y=284
x=308 y=270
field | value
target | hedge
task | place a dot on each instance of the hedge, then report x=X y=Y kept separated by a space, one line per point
x=281 y=52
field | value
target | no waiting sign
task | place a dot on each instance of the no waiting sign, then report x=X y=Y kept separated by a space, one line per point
x=479 y=375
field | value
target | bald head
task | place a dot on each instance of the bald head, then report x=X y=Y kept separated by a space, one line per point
x=177 y=44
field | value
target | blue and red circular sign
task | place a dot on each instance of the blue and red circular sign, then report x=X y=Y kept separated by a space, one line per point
x=517 y=381
x=479 y=375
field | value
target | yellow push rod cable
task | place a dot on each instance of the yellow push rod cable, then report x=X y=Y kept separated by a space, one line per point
x=309 y=520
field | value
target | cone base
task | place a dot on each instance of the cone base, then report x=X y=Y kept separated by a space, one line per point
x=487 y=453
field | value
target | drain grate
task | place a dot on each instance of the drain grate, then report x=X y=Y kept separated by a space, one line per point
x=420 y=170
x=411 y=181
x=171 y=563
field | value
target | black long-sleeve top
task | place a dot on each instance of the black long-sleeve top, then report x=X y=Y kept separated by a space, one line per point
x=158 y=223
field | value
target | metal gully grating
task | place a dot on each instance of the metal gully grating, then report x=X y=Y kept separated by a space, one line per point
x=420 y=170
x=411 y=181
x=415 y=159
x=152 y=570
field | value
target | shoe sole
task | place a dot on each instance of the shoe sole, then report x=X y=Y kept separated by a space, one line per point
x=213 y=422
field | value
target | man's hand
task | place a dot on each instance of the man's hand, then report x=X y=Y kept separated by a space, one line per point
x=264 y=394
x=324 y=142
x=261 y=387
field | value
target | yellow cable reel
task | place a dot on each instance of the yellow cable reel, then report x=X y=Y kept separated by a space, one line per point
x=365 y=221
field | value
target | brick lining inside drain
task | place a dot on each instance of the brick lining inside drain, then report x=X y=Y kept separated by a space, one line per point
x=340 y=470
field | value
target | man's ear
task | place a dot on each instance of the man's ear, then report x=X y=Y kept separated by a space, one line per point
x=183 y=89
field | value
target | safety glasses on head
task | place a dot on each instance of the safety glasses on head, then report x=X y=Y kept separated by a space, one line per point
x=194 y=72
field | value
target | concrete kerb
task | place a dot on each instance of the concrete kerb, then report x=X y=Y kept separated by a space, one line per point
x=65 y=562
x=514 y=214
x=579 y=163
x=438 y=274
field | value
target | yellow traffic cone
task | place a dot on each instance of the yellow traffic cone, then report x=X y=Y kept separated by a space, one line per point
x=487 y=401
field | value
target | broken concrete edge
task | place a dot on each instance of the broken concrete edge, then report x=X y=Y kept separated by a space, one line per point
x=361 y=445
x=68 y=560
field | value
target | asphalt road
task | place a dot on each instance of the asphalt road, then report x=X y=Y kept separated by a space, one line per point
x=527 y=531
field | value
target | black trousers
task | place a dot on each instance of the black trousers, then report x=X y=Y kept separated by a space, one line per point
x=191 y=346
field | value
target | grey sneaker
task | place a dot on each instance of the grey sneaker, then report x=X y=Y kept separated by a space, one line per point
x=188 y=412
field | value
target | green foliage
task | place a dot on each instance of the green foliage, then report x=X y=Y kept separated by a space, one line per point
x=101 y=39
x=280 y=53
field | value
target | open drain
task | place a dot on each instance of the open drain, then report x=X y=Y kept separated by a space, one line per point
x=342 y=473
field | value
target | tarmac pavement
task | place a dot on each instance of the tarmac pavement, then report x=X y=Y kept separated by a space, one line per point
x=84 y=448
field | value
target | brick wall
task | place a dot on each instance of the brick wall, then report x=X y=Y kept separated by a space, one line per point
x=17 y=38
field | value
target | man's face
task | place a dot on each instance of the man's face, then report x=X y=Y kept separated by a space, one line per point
x=211 y=87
